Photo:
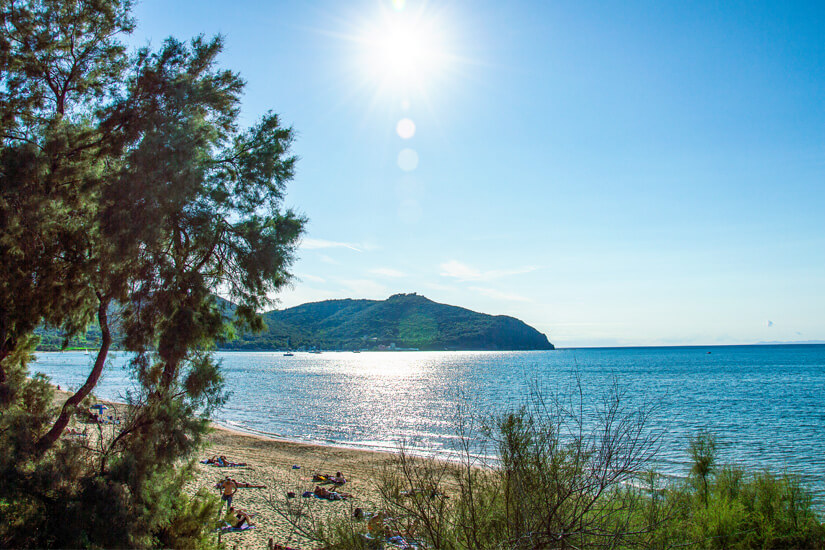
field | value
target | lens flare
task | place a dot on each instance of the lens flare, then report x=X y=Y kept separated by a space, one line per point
x=405 y=128
x=408 y=160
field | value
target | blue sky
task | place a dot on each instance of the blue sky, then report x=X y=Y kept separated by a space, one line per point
x=612 y=173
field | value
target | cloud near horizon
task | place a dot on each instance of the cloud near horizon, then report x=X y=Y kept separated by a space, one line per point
x=464 y=272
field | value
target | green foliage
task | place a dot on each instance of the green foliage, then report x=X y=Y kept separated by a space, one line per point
x=127 y=190
x=744 y=510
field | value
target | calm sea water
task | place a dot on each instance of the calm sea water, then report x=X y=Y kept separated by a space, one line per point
x=766 y=404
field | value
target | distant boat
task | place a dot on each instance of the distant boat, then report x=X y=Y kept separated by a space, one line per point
x=289 y=354
x=356 y=351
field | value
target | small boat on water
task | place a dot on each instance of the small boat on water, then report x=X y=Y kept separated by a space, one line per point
x=289 y=354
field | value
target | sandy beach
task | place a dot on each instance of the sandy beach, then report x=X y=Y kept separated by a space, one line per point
x=270 y=462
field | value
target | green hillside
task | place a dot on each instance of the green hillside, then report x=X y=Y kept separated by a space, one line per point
x=403 y=320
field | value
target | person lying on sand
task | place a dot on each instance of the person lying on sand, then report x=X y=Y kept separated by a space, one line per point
x=221 y=461
x=239 y=484
x=337 y=479
x=323 y=492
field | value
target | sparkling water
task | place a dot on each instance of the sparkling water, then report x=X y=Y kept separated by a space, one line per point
x=765 y=404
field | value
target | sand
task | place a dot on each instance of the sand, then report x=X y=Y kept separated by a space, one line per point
x=270 y=462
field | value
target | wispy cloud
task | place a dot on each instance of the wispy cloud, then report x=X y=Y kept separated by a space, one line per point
x=464 y=272
x=499 y=295
x=328 y=260
x=388 y=272
x=316 y=244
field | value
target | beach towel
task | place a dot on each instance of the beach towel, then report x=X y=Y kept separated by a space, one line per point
x=332 y=496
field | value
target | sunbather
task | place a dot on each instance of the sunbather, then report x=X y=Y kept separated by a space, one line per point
x=337 y=479
x=323 y=492
x=221 y=461
x=237 y=518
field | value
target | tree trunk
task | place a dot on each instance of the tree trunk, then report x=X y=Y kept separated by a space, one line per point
x=6 y=345
x=4 y=387
x=46 y=442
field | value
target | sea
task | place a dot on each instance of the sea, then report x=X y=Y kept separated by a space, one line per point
x=765 y=404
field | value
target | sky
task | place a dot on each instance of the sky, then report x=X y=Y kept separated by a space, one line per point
x=612 y=173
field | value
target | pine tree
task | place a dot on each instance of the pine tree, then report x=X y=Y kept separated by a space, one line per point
x=126 y=186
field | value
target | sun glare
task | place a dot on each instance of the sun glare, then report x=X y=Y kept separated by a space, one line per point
x=404 y=52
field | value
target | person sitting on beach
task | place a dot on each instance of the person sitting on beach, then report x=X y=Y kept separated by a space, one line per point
x=216 y=460
x=228 y=487
x=237 y=518
x=378 y=525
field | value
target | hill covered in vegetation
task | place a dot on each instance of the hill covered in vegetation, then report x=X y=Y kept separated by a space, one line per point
x=401 y=321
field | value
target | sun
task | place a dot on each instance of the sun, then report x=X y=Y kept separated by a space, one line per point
x=405 y=52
